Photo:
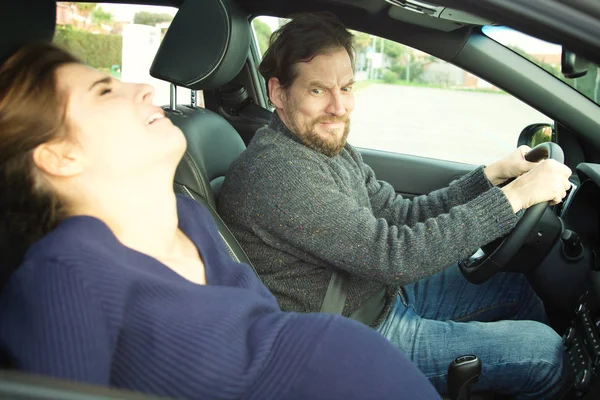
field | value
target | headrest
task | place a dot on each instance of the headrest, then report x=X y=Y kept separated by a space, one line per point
x=23 y=22
x=205 y=47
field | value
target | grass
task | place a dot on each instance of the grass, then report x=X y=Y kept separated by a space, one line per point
x=362 y=85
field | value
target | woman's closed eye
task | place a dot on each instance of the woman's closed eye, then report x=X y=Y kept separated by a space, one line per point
x=105 y=90
x=105 y=85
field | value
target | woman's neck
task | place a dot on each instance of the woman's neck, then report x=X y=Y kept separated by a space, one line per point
x=144 y=219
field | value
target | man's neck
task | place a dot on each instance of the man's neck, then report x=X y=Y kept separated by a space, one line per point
x=278 y=124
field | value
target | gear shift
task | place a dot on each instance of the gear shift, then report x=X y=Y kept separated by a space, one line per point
x=463 y=371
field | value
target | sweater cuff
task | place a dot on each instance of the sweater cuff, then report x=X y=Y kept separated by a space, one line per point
x=494 y=213
x=473 y=184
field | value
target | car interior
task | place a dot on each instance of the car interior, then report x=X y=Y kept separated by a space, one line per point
x=556 y=247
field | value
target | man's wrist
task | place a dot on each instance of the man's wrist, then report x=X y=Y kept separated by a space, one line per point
x=513 y=198
x=492 y=173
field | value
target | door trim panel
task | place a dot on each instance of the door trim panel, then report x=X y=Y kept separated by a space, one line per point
x=413 y=175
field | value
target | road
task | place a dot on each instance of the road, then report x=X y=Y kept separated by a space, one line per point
x=470 y=127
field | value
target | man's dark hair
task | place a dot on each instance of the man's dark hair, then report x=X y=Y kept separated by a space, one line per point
x=306 y=36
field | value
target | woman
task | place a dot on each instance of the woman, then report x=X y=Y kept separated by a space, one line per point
x=127 y=284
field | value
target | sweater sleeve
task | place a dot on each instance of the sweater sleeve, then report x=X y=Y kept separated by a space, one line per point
x=52 y=325
x=318 y=220
x=399 y=211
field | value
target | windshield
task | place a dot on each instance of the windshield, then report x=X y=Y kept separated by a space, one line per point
x=547 y=56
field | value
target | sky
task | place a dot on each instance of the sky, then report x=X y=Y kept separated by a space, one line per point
x=529 y=44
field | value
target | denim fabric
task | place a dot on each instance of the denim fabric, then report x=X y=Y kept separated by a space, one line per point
x=502 y=321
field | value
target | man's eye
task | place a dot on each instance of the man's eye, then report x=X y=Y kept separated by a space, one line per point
x=105 y=91
x=347 y=89
x=317 y=91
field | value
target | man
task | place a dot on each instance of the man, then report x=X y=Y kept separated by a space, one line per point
x=303 y=204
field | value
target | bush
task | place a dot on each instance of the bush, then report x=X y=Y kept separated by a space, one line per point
x=389 y=77
x=96 y=50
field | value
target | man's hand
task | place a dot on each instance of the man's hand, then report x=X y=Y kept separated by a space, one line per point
x=512 y=166
x=547 y=181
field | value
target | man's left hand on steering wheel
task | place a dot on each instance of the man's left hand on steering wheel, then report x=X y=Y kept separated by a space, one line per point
x=512 y=166
x=546 y=184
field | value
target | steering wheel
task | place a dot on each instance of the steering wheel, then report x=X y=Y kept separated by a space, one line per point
x=492 y=257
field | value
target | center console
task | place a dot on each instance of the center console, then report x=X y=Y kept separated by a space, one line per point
x=582 y=342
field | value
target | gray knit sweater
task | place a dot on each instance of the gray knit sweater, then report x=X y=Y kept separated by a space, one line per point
x=300 y=214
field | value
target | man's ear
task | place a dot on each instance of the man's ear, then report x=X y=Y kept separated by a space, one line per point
x=276 y=93
x=59 y=159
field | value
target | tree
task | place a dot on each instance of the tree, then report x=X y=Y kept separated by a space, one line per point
x=84 y=8
x=588 y=85
x=263 y=34
x=362 y=41
x=100 y=16
x=152 y=19
x=393 y=50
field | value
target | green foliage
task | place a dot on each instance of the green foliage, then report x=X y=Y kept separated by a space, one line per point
x=97 y=51
x=85 y=8
x=588 y=85
x=152 y=19
x=263 y=34
x=389 y=76
x=416 y=71
x=361 y=41
x=100 y=16
x=394 y=50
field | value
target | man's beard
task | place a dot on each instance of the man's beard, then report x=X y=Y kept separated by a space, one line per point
x=311 y=138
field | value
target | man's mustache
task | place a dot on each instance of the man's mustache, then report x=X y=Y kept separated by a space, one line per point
x=331 y=118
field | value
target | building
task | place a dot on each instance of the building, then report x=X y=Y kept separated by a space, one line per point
x=68 y=14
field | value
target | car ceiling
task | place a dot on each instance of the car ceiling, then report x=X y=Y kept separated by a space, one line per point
x=445 y=19
x=574 y=24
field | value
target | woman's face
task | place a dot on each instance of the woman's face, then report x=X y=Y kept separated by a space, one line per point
x=117 y=132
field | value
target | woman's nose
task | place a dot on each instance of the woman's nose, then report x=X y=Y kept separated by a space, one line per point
x=144 y=93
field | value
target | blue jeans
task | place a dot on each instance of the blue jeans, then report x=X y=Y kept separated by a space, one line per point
x=502 y=321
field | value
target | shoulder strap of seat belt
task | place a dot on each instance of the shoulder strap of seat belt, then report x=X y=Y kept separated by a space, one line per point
x=335 y=297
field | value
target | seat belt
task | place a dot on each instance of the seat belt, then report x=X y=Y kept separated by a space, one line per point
x=335 y=300
x=335 y=297
x=370 y=310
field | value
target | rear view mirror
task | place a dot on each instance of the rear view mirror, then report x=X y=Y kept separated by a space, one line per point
x=572 y=66
x=535 y=134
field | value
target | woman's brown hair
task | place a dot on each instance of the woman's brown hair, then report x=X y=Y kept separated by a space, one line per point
x=32 y=112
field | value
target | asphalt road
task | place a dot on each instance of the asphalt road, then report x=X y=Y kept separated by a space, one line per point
x=470 y=127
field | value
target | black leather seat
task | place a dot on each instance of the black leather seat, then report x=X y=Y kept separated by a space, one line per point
x=213 y=143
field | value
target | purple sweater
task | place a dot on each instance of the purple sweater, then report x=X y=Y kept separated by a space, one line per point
x=84 y=307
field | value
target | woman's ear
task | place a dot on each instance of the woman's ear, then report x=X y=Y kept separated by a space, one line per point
x=276 y=93
x=58 y=158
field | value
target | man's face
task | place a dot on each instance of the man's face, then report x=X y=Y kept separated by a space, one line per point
x=317 y=106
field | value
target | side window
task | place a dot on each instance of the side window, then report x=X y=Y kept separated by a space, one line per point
x=407 y=101
x=262 y=28
x=118 y=39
